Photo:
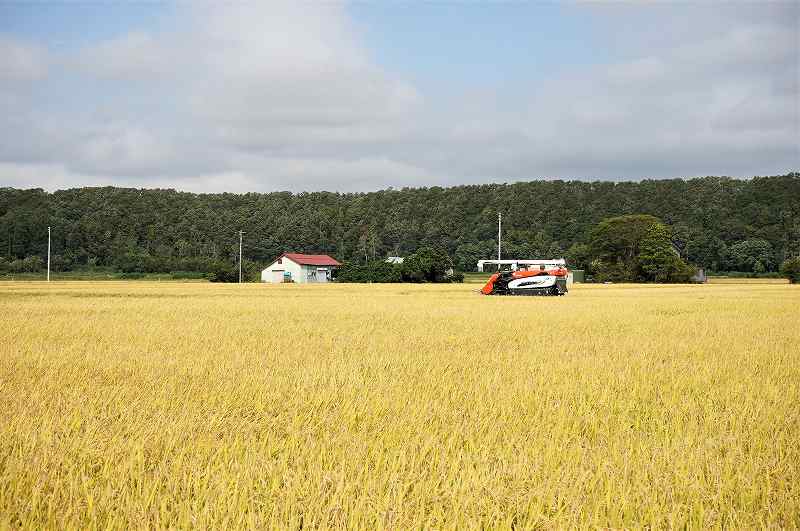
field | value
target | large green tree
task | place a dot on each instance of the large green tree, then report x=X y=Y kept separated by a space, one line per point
x=428 y=264
x=658 y=259
x=615 y=245
x=636 y=248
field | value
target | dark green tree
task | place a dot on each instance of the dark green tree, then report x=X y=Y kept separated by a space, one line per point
x=635 y=248
x=659 y=261
x=579 y=256
x=468 y=254
x=790 y=269
x=428 y=264
x=375 y=271
x=615 y=245
x=750 y=255
x=707 y=250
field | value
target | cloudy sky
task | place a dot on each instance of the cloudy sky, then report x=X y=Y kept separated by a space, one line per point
x=361 y=96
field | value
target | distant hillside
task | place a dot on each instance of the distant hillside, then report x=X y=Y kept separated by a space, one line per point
x=178 y=230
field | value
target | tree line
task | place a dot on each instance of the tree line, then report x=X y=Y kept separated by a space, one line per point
x=426 y=264
x=719 y=223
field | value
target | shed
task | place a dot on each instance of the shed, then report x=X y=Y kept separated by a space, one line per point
x=699 y=277
x=301 y=268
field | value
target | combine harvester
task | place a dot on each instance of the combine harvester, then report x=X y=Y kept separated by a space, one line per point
x=527 y=277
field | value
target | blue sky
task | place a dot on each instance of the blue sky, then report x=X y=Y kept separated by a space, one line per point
x=366 y=95
x=72 y=25
x=478 y=43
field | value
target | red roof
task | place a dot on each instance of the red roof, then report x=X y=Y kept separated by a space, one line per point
x=310 y=259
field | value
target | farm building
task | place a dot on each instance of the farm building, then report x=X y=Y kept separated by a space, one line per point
x=699 y=277
x=302 y=268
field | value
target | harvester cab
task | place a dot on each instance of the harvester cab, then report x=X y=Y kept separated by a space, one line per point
x=526 y=277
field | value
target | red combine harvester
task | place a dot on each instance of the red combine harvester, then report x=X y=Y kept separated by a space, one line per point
x=541 y=280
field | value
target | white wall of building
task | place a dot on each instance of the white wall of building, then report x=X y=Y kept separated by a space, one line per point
x=300 y=273
x=270 y=274
x=312 y=273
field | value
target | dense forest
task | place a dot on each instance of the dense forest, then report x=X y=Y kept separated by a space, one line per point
x=718 y=223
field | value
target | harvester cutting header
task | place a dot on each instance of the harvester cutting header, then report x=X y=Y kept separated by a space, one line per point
x=526 y=277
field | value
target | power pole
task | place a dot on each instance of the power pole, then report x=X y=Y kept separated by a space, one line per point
x=48 y=253
x=240 y=256
x=499 y=232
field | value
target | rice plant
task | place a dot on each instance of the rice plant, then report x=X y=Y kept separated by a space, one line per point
x=170 y=405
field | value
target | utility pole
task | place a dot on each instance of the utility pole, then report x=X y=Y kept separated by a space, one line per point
x=499 y=232
x=48 y=253
x=240 y=256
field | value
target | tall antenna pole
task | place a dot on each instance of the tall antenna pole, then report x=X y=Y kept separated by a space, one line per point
x=48 y=253
x=499 y=232
x=240 y=256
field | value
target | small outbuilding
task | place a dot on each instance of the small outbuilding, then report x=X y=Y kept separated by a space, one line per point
x=301 y=268
x=699 y=277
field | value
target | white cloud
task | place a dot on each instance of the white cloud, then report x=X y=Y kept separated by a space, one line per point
x=255 y=96
x=130 y=56
x=39 y=175
x=287 y=174
x=129 y=150
x=21 y=61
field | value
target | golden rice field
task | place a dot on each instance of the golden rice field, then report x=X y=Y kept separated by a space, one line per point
x=171 y=405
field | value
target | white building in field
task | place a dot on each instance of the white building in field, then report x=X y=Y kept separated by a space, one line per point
x=301 y=268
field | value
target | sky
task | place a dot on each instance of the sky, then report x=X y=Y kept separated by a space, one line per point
x=265 y=96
